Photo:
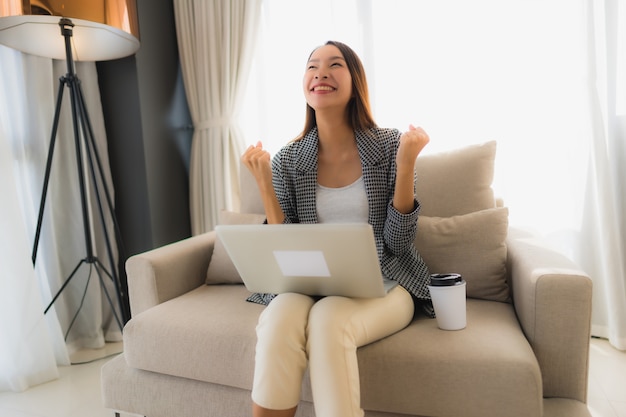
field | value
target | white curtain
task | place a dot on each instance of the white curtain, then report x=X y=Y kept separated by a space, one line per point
x=603 y=249
x=81 y=317
x=520 y=72
x=26 y=349
x=215 y=40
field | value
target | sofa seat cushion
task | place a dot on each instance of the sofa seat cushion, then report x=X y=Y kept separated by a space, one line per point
x=481 y=370
x=209 y=335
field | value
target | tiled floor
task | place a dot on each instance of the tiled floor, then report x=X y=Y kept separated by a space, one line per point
x=77 y=392
x=607 y=380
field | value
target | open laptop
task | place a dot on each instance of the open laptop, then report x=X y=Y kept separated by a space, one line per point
x=313 y=259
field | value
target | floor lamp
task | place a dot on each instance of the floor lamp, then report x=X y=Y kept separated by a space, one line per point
x=43 y=28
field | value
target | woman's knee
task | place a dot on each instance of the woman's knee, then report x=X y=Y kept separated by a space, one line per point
x=281 y=359
x=285 y=318
x=360 y=321
x=330 y=316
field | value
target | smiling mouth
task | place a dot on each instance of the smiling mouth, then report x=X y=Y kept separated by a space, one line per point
x=323 y=88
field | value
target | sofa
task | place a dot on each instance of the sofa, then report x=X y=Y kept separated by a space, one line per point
x=189 y=346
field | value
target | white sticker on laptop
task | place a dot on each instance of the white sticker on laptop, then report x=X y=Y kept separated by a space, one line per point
x=302 y=263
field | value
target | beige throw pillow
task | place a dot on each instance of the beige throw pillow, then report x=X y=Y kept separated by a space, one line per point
x=472 y=245
x=221 y=269
x=456 y=182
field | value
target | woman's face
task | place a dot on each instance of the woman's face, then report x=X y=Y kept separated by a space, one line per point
x=327 y=81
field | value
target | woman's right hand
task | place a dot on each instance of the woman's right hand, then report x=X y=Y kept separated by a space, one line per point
x=257 y=160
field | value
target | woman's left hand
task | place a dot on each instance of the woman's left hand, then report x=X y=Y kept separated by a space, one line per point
x=411 y=144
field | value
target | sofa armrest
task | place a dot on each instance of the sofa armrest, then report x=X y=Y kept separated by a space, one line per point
x=168 y=271
x=552 y=299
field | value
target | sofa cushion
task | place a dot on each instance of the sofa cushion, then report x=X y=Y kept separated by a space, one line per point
x=482 y=370
x=456 y=182
x=221 y=269
x=487 y=364
x=250 y=195
x=472 y=245
x=207 y=334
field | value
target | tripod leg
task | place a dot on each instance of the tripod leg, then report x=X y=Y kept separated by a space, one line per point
x=46 y=180
x=67 y=281
x=80 y=169
x=89 y=149
x=107 y=193
x=97 y=266
x=82 y=301
x=69 y=80
x=106 y=292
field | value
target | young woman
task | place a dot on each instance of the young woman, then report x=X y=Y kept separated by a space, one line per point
x=342 y=168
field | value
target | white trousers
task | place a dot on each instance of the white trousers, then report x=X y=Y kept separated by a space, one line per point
x=295 y=329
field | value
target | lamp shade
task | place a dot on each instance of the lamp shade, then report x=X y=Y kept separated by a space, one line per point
x=103 y=29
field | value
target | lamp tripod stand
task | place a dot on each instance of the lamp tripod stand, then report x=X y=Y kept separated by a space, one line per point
x=82 y=124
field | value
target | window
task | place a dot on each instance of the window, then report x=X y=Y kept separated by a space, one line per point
x=467 y=72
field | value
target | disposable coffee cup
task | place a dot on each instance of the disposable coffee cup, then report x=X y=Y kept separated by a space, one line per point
x=448 y=294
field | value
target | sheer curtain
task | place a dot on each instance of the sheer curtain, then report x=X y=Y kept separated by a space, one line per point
x=468 y=72
x=215 y=40
x=603 y=243
x=26 y=349
x=81 y=317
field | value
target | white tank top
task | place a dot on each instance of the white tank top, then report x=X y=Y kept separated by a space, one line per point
x=344 y=204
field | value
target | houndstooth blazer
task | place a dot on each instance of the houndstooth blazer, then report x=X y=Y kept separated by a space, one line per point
x=294 y=170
